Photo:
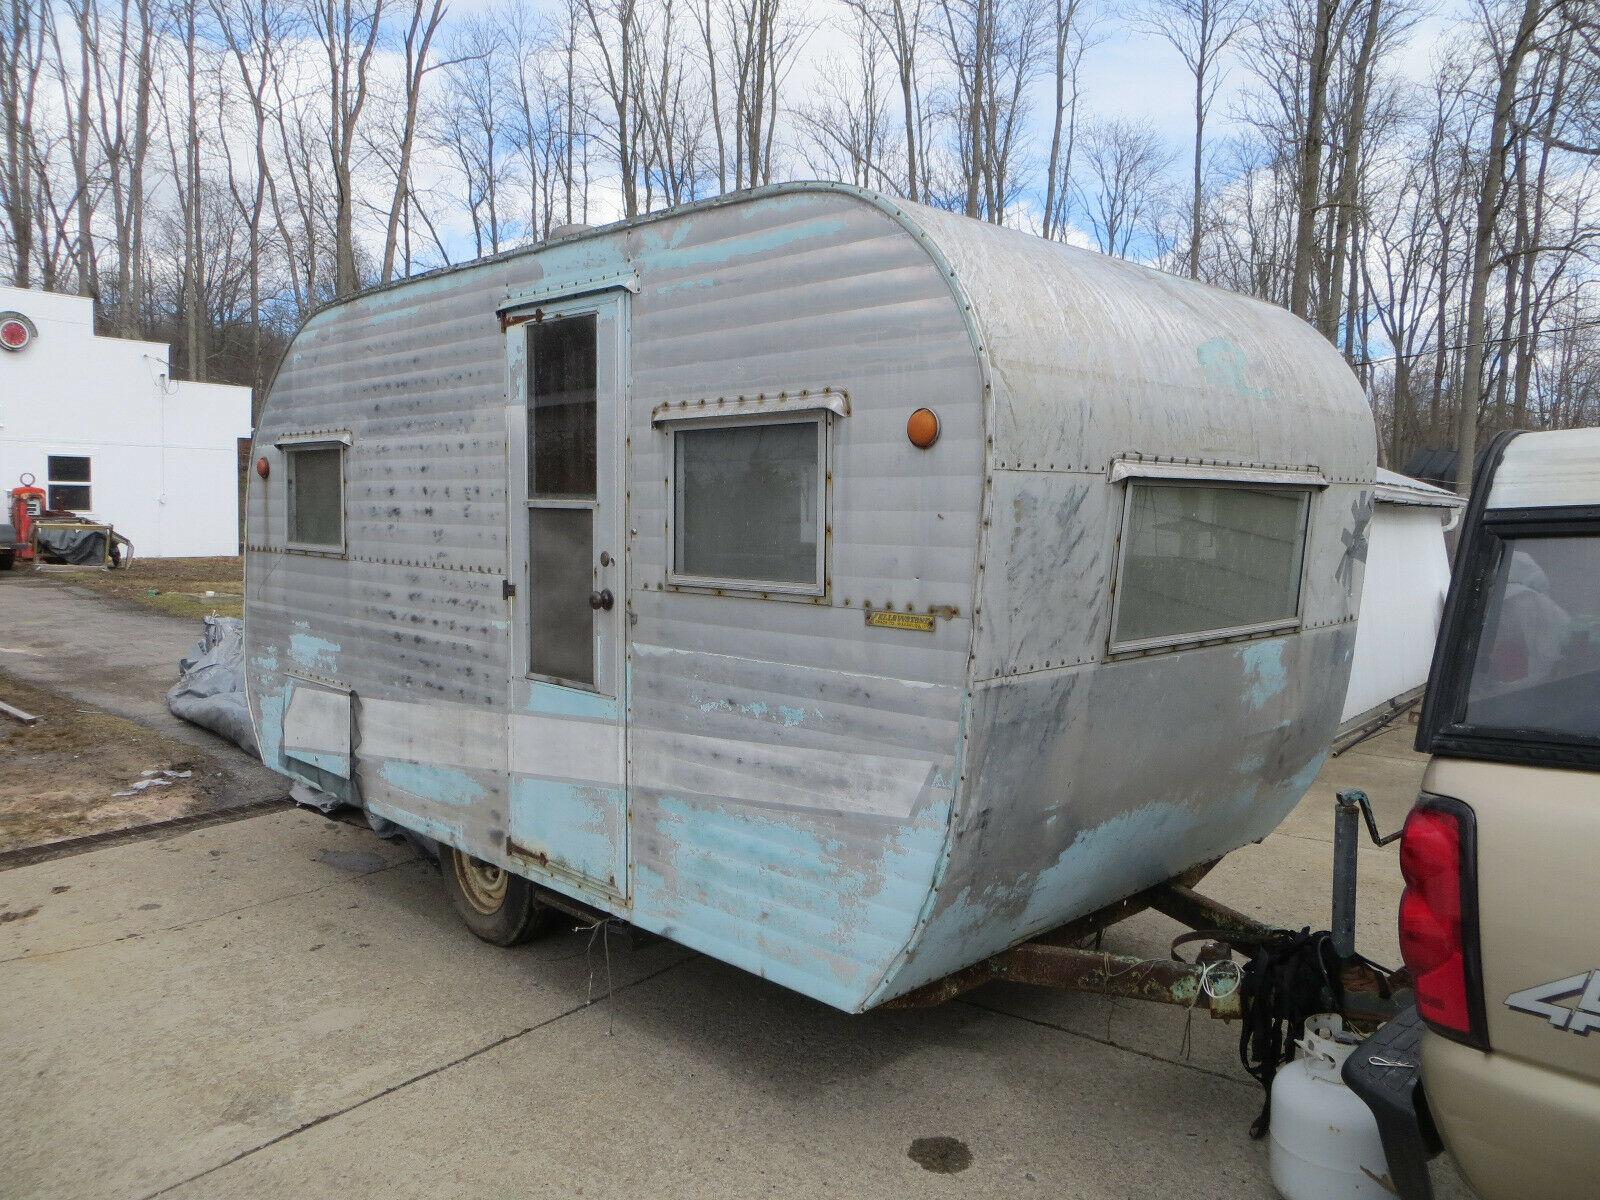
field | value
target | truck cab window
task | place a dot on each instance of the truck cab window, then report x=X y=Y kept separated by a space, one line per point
x=1537 y=667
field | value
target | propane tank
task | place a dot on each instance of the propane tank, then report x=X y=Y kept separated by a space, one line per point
x=1325 y=1143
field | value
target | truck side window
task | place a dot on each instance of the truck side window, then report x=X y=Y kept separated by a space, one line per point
x=1203 y=561
x=316 y=496
x=747 y=505
x=1537 y=667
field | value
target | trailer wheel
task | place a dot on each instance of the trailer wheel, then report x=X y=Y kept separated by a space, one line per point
x=497 y=906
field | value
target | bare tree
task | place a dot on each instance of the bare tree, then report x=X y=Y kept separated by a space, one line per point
x=348 y=31
x=898 y=25
x=22 y=45
x=421 y=27
x=1074 y=26
x=1202 y=32
x=1509 y=58
x=1128 y=166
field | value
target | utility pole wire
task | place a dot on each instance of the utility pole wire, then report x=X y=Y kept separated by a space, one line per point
x=1536 y=334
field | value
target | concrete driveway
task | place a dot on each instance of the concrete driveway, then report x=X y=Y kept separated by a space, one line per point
x=287 y=1006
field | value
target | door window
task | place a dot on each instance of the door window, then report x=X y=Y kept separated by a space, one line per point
x=562 y=454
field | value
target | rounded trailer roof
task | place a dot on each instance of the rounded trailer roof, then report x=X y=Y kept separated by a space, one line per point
x=1090 y=357
x=1093 y=358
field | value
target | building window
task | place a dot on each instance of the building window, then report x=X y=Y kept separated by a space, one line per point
x=748 y=505
x=316 y=496
x=69 y=483
x=1202 y=562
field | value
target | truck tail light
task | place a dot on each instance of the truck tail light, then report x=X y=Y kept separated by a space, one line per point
x=1439 y=918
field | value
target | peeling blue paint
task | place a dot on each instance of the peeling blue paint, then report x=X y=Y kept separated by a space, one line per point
x=552 y=700
x=440 y=831
x=313 y=653
x=1223 y=364
x=323 y=760
x=269 y=730
x=1265 y=676
x=430 y=781
x=578 y=826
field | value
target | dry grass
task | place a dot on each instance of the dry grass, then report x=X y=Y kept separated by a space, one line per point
x=58 y=778
x=175 y=586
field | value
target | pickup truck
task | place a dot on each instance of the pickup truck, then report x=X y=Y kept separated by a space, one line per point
x=1500 y=921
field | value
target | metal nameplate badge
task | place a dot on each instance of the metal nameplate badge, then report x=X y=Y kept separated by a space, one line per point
x=921 y=622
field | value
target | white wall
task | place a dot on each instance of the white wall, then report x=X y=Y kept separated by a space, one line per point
x=1402 y=599
x=163 y=455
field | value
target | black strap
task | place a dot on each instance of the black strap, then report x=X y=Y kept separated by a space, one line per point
x=1291 y=977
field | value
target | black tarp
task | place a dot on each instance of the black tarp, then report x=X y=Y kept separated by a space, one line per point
x=73 y=545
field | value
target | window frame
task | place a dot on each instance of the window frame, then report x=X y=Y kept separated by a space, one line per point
x=1442 y=727
x=1185 y=641
x=821 y=583
x=290 y=447
x=51 y=483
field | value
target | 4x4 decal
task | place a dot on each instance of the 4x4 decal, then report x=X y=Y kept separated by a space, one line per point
x=1540 y=1002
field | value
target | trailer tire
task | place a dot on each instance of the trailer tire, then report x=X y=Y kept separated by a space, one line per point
x=497 y=906
x=8 y=559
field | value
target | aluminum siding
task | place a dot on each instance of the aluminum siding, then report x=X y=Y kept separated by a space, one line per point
x=1085 y=777
x=791 y=769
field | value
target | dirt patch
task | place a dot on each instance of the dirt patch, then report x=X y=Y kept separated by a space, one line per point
x=59 y=778
x=941 y=1155
x=175 y=586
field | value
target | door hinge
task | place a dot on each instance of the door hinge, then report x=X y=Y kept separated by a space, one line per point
x=507 y=589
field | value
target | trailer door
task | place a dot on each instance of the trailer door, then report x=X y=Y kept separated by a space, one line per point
x=566 y=727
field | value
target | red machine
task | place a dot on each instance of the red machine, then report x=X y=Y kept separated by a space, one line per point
x=70 y=540
x=27 y=504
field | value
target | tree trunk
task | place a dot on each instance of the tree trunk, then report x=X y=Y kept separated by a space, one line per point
x=1483 y=243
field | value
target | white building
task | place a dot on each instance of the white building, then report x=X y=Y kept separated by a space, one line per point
x=101 y=425
x=1408 y=574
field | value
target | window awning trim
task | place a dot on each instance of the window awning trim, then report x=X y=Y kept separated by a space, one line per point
x=828 y=399
x=1193 y=471
x=310 y=441
x=550 y=291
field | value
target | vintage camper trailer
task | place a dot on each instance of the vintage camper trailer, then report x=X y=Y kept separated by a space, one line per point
x=842 y=588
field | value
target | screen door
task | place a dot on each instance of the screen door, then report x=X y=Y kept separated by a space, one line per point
x=568 y=796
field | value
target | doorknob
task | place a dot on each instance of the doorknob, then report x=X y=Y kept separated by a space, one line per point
x=602 y=599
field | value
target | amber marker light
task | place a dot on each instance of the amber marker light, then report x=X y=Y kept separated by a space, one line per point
x=923 y=428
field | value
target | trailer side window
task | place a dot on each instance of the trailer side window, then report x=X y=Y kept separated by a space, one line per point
x=1202 y=561
x=747 y=506
x=316 y=496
